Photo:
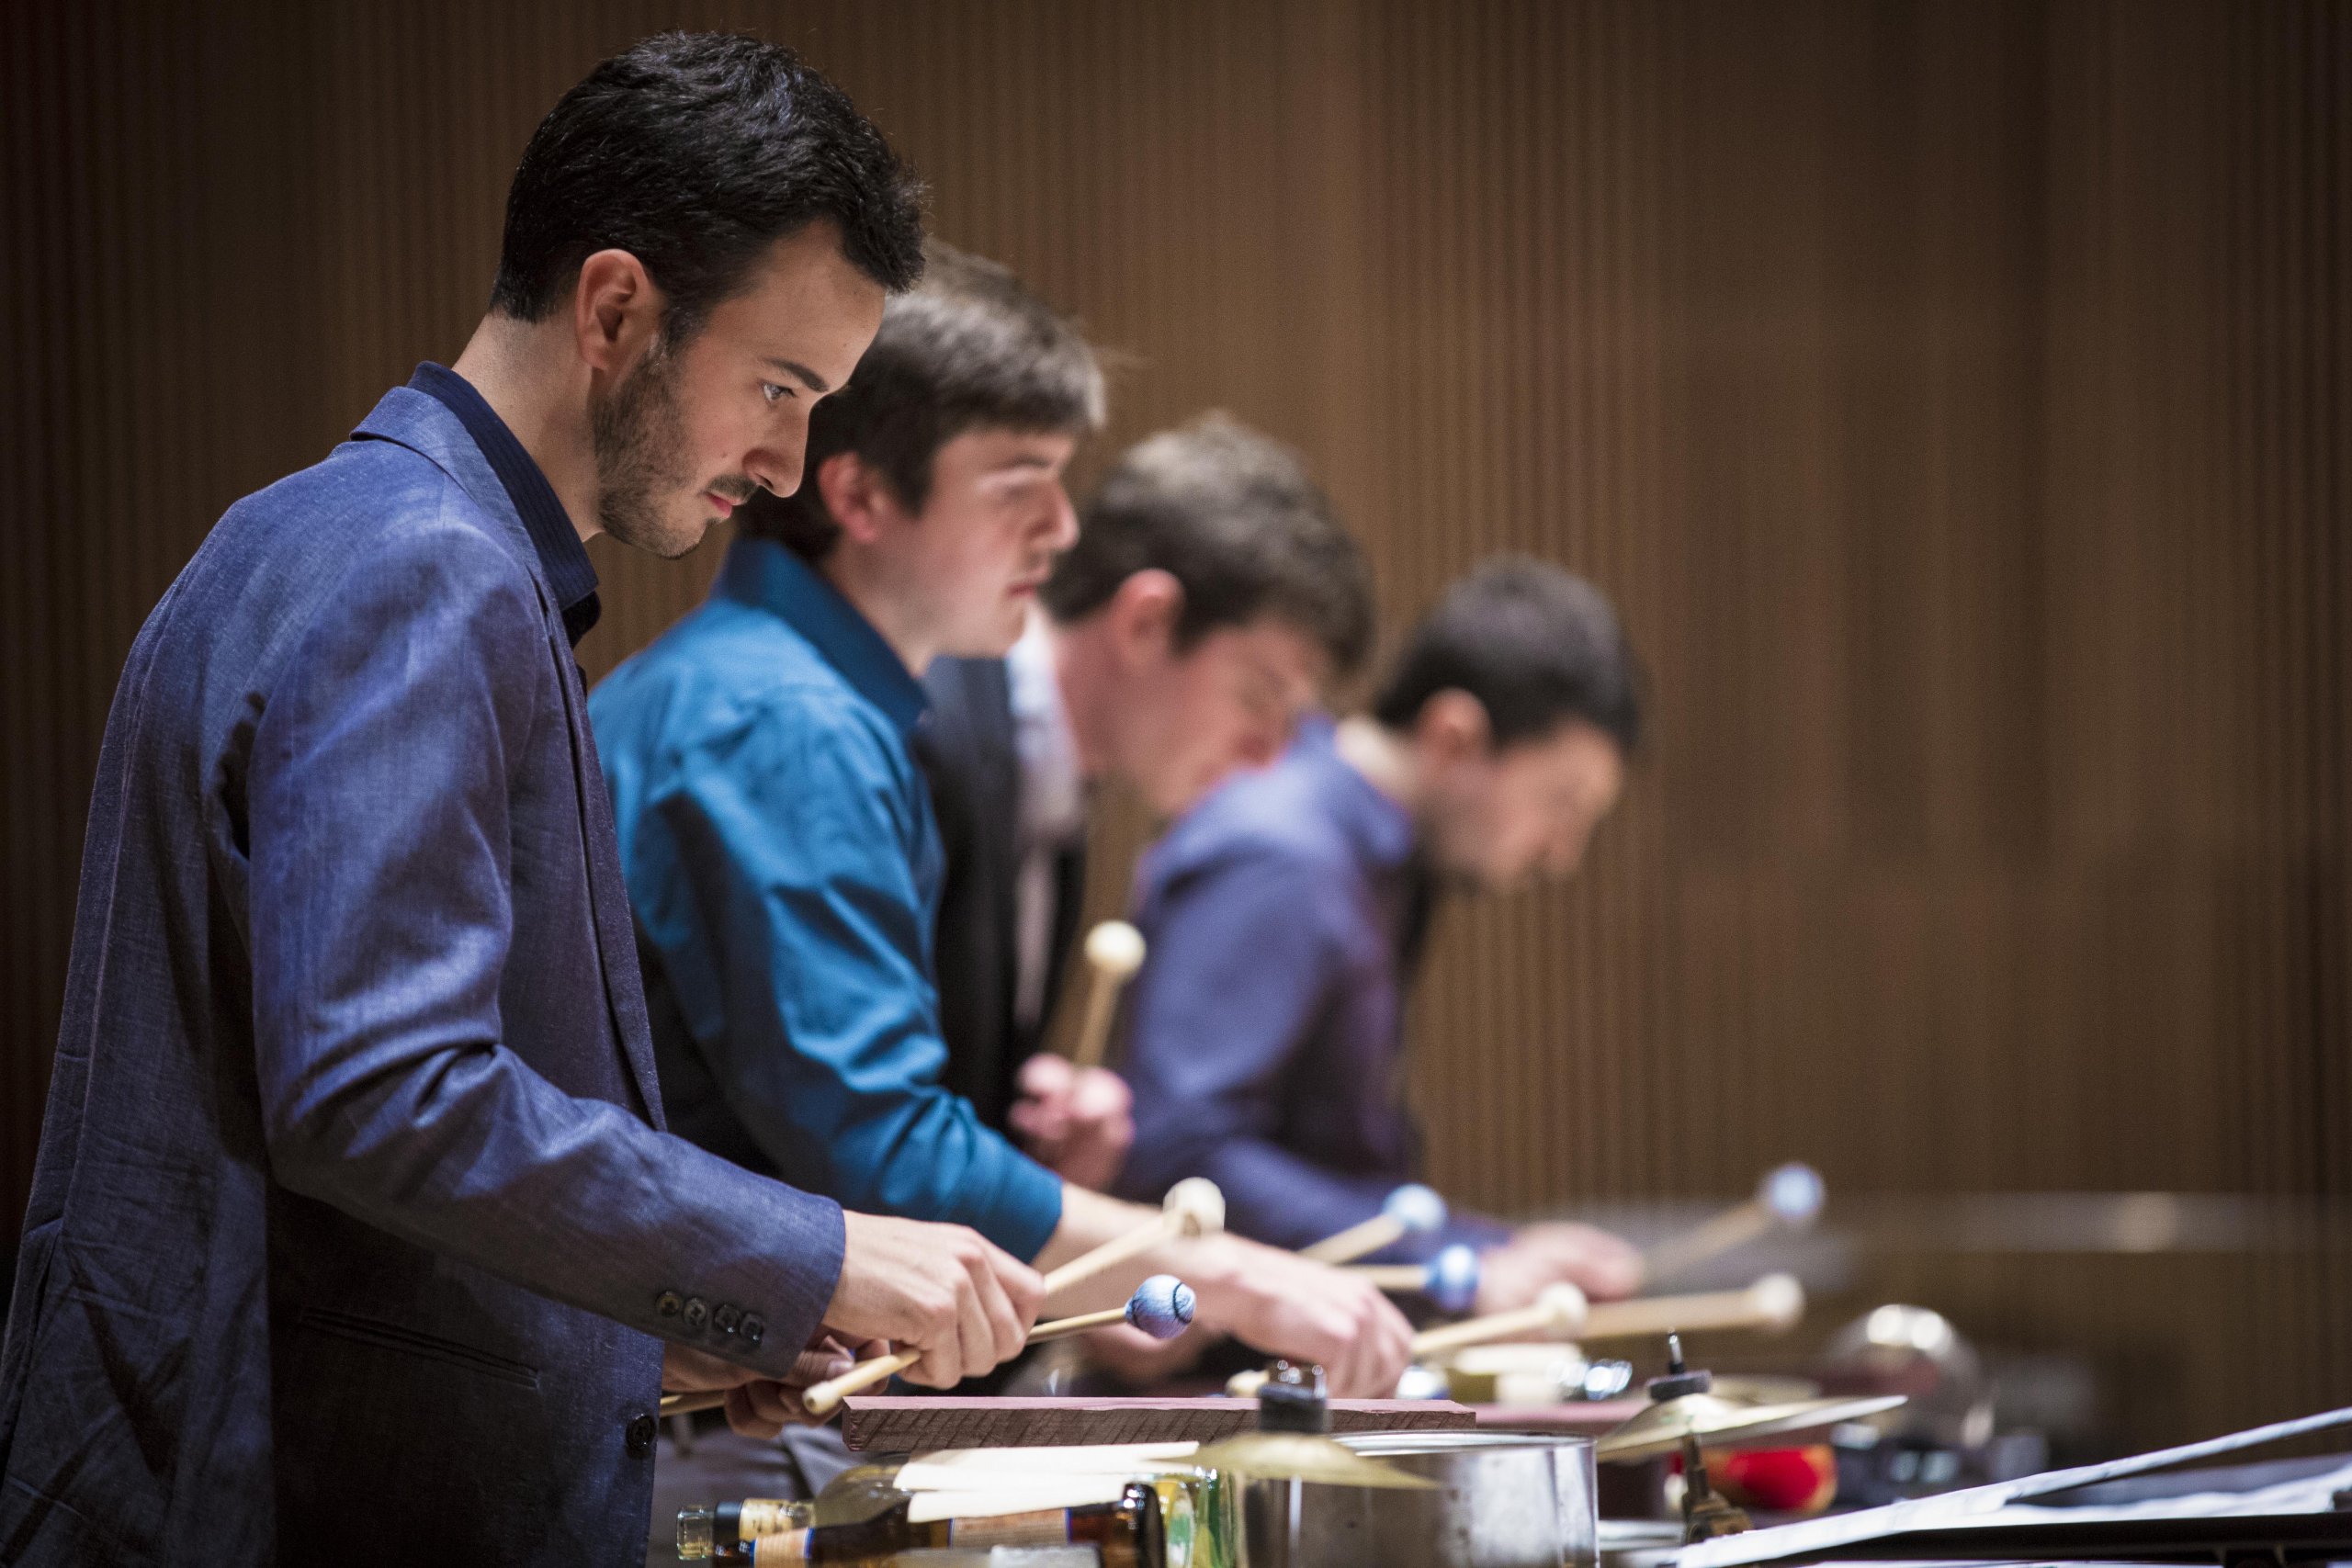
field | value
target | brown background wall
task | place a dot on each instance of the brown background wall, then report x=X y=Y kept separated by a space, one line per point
x=1956 y=397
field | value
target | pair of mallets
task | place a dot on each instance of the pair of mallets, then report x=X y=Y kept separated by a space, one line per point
x=1789 y=1198
x=1161 y=1306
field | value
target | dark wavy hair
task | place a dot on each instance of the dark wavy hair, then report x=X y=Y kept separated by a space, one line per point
x=695 y=153
x=1535 y=644
x=1234 y=517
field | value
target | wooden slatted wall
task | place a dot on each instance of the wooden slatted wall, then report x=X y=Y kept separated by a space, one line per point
x=1953 y=395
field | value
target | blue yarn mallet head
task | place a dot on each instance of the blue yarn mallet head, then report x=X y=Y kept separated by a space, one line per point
x=1794 y=1194
x=1416 y=1208
x=1454 y=1279
x=1161 y=1306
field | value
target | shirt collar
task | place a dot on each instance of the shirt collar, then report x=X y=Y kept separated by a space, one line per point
x=1380 y=830
x=572 y=577
x=766 y=574
x=1053 y=787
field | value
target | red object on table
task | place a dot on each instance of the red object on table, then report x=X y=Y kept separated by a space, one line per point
x=1782 y=1481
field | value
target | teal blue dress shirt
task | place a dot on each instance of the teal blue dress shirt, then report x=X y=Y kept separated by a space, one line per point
x=785 y=869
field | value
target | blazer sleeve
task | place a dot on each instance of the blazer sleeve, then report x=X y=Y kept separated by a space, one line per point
x=381 y=910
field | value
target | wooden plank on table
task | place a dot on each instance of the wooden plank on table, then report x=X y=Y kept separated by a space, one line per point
x=1575 y=1417
x=900 y=1425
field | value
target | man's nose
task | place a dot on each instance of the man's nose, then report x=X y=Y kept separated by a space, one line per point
x=1064 y=522
x=777 y=464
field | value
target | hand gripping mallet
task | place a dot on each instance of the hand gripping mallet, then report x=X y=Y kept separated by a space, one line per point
x=1162 y=1307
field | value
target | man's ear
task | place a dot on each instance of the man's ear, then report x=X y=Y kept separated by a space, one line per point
x=856 y=496
x=615 y=312
x=1452 y=727
x=1145 y=612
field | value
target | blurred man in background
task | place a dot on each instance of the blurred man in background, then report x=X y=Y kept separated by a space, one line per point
x=1210 y=597
x=779 y=841
x=1286 y=915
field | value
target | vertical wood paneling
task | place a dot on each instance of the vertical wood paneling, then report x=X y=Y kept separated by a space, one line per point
x=1954 y=397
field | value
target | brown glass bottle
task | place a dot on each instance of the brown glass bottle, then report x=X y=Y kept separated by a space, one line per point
x=1127 y=1533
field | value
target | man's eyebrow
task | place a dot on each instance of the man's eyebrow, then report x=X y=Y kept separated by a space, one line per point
x=809 y=377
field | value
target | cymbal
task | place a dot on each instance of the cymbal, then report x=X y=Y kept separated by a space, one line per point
x=1763 y=1389
x=1304 y=1456
x=1718 y=1421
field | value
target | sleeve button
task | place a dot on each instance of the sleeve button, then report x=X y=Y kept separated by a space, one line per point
x=755 y=1328
x=698 y=1312
x=726 y=1317
x=669 y=1304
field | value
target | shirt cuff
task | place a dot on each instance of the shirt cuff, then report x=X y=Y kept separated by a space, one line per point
x=1028 y=1209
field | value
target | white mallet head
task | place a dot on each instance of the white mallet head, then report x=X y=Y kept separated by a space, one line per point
x=1416 y=1208
x=1778 y=1301
x=1115 y=948
x=1794 y=1193
x=1195 y=1206
x=1564 y=1307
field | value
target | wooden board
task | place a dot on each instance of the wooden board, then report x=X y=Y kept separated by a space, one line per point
x=1577 y=1418
x=899 y=1425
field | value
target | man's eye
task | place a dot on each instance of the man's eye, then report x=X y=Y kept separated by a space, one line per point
x=772 y=392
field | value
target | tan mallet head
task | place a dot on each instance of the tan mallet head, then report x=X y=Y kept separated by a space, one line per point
x=1115 y=952
x=1195 y=1206
x=1116 y=949
x=1563 y=1308
x=1778 y=1300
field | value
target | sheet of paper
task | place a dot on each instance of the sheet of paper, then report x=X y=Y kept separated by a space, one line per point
x=1973 y=1505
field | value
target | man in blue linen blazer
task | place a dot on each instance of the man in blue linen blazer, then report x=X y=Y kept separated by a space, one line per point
x=355 y=1236
x=378 y=1207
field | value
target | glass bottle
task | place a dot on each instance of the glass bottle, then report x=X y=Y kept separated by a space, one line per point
x=724 y=1531
x=1127 y=1533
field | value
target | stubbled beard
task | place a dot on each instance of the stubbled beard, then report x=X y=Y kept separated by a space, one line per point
x=639 y=440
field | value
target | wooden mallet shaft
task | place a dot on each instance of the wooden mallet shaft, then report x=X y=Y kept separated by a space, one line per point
x=1790 y=1196
x=1193 y=1207
x=1392 y=1276
x=1560 y=1311
x=1410 y=1209
x=1161 y=1306
x=1114 y=951
x=1774 y=1302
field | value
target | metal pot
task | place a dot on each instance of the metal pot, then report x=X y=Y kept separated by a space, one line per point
x=1503 y=1501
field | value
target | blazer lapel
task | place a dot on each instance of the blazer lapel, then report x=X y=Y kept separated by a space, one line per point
x=419 y=422
x=608 y=895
